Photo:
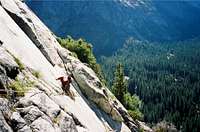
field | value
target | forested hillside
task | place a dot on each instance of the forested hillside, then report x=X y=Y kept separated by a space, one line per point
x=108 y=23
x=166 y=77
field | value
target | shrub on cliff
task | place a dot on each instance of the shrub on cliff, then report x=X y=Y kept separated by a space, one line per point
x=20 y=87
x=83 y=51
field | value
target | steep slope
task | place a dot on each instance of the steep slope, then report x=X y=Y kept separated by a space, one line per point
x=28 y=47
x=107 y=24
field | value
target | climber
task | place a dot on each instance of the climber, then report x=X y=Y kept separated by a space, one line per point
x=66 y=85
x=65 y=82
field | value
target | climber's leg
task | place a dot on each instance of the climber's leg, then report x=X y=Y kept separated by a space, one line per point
x=69 y=92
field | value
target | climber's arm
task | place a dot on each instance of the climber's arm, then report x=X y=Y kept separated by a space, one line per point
x=59 y=78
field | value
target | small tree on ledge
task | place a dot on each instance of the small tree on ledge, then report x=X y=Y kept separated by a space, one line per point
x=120 y=90
x=119 y=87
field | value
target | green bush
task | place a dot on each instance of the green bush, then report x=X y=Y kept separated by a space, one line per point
x=21 y=86
x=133 y=104
x=19 y=63
x=83 y=51
x=135 y=114
x=37 y=74
x=21 y=66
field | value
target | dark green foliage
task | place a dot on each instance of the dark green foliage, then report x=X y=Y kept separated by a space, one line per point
x=135 y=114
x=119 y=89
x=21 y=86
x=21 y=66
x=166 y=77
x=37 y=74
x=107 y=23
x=133 y=104
x=19 y=63
x=83 y=50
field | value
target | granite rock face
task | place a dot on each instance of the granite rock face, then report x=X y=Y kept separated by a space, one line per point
x=8 y=68
x=45 y=107
x=40 y=35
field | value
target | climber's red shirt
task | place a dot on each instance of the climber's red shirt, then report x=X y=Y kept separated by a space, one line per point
x=64 y=80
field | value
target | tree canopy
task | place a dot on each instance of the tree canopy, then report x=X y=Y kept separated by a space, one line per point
x=165 y=76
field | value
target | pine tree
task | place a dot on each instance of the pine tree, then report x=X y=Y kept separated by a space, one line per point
x=120 y=90
x=119 y=87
